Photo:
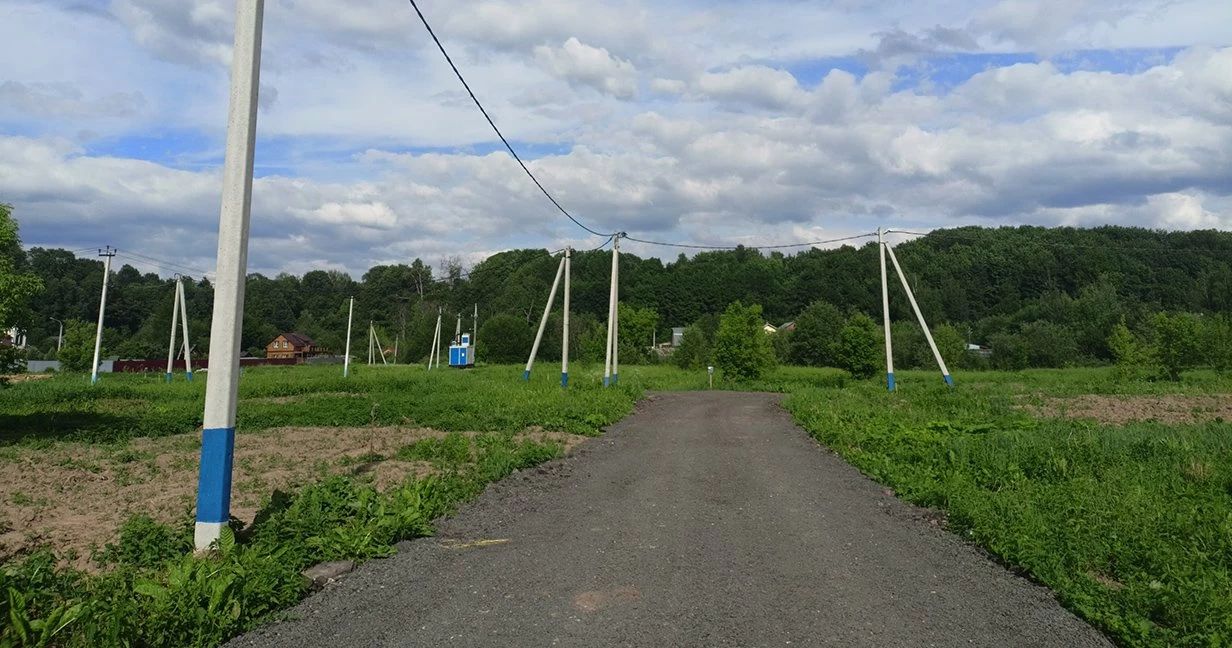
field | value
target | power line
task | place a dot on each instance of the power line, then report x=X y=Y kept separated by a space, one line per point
x=970 y=238
x=751 y=247
x=165 y=265
x=493 y=124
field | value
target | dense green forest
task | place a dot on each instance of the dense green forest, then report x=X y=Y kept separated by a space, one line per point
x=1035 y=296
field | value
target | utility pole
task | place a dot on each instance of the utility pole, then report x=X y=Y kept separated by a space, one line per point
x=885 y=311
x=564 y=351
x=59 y=338
x=222 y=387
x=175 y=315
x=346 y=359
x=184 y=324
x=945 y=373
x=616 y=312
x=611 y=313
x=371 y=335
x=107 y=254
x=543 y=322
x=475 y=333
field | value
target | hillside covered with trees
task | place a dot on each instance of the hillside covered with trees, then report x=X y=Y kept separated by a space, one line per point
x=1035 y=296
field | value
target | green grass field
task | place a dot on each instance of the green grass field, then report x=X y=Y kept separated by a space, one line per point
x=1061 y=474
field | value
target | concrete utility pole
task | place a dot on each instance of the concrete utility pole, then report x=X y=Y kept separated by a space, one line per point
x=102 y=310
x=945 y=373
x=184 y=324
x=564 y=351
x=222 y=387
x=371 y=337
x=175 y=315
x=59 y=338
x=346 y=359
x=611 y=314
x=543 y=322
x=616 y=314
x=885 y=312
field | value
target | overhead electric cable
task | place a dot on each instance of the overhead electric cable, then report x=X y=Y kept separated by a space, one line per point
x=751 y=247
x=491 y=123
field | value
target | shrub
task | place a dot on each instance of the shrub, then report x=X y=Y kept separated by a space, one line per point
x=741 y=348
x=816 y=338
x=694 y=350
x=505 y=339
x=859 y=347
x=1178 y=342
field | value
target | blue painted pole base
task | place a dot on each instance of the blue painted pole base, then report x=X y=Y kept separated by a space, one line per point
x=214 y=487
x=890 y=381
x=606 y=381
x=949 y=381
x=564 y=380
x=188 y=375
x=168 y=376
x=93 y=379
x=526 y=375
x=615 y=378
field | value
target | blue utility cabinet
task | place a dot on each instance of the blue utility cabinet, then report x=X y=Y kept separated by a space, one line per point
x=462 y=353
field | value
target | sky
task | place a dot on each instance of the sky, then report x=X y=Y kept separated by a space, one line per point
x=709 y=122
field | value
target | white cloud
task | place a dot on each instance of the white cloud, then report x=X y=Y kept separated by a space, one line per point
x=579 y=63
x=754 y=85
x=745 y=133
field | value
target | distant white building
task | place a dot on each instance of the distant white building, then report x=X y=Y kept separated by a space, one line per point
x=15 y=337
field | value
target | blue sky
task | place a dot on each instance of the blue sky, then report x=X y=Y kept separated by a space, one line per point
x=716 y=123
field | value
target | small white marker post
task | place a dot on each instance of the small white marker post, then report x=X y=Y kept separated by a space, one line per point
x=543 y=321
x=945 y=373
x=346 y=359
x=885 y=311
x=222 y=387
x=175 y=314
x=710 y=376
x=102 y=310
x=564 y=351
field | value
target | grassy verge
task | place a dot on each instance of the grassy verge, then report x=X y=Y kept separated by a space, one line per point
x=157 y=594
x=1131 y=525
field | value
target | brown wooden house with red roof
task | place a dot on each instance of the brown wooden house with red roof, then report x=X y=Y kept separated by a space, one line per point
x=292 y=345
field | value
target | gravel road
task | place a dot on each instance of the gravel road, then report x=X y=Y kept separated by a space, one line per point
x=705 y=519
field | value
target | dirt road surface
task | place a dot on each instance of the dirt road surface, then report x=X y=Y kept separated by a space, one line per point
x=705 y=519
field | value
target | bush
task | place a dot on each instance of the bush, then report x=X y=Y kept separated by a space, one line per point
x=815 y=341
x=1009 y=351
x=859 y=349
x=1218 y=340
x=694 y=350
x=505 y=339
x=78 y=349
x=951 y=344
x=741 y=348
x=1178 y=342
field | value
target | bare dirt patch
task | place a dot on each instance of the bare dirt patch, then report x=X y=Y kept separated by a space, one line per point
x=73 y=496
x=1119 y=410
x=18 y=378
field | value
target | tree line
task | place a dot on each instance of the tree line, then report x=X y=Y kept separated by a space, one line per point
x=1042 y=297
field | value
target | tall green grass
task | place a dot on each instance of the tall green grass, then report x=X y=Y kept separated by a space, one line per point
x=1130 y=525
x=124 y=406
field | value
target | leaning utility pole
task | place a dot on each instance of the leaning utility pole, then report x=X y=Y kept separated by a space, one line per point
x=608 y=363
x=222 y=387
x=102 y=310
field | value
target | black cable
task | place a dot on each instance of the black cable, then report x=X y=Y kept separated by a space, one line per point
x=165 y=265
x=493 y=124
x=750 y=247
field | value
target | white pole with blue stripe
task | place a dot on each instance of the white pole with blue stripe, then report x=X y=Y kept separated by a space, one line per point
x=175 y=314
x=184 y=324
x=222 y=387
x=543 y=321
x=564 y=351
x=885 y=312
x=945 y=373
x=616 y=311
